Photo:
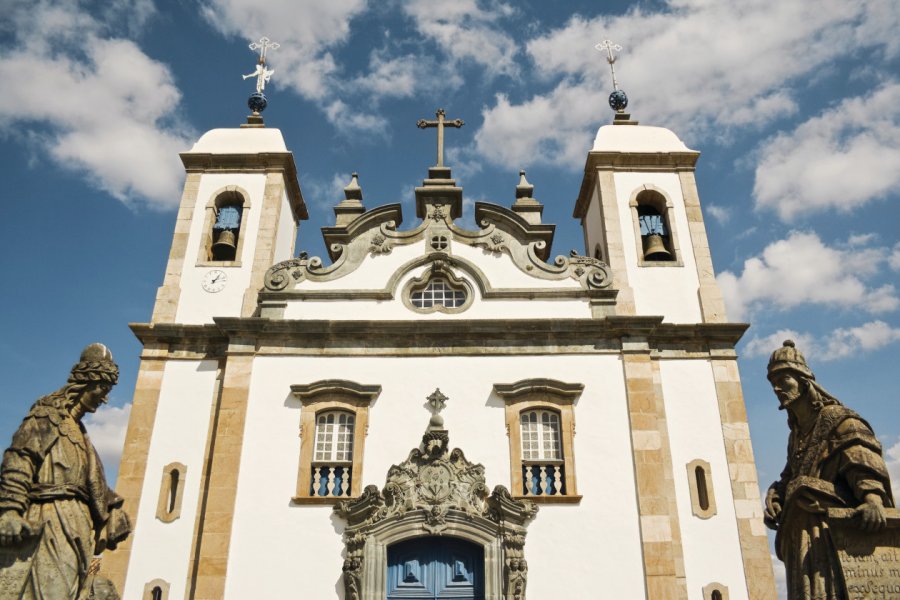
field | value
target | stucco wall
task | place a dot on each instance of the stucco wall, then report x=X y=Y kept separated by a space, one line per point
x=277 y=546
x=712 y=550
x=162 y=550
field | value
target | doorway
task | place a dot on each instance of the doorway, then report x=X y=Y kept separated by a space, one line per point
x=437 y=567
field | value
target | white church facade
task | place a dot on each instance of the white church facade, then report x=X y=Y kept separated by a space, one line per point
x=438 y=412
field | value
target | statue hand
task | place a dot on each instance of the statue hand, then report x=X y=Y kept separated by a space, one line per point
x=773 y=508
x=872 y=514
x=14 y=529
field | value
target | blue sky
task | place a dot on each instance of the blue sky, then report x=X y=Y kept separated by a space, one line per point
x=795 y=106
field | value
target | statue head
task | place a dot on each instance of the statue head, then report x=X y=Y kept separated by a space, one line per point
x=92 y=377
x=792 y=379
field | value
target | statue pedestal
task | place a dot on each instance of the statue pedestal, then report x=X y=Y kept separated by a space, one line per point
x=870 y=561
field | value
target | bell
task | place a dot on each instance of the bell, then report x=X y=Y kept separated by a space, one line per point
x=655 y=249
x=224 y=248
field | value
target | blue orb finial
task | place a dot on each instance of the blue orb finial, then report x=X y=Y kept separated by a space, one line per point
x=257 y=102
x=618 y=100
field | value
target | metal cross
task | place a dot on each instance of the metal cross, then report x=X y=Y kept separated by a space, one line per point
x=263 y=45
x=440 y=124
x=610 y=47
x=262 y=74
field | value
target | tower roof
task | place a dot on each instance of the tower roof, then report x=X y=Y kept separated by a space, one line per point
x=637 y=138
x=244 y=140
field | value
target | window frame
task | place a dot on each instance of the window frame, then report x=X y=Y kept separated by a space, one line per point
x=549 y=395
x=231 y=195
x=696 y=507
x=165 y=490
x=650 y=195
x=325 y=396
x=439 y=269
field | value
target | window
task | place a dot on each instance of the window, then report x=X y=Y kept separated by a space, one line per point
x=438 y=292
x=703 y=501
x=334 y=416
x=657 y=242
x=540 y=421
x=171 y=490
x=333 y=454
x=715 y=591
x=438 y=289
x=156 y=590
x=224 y=228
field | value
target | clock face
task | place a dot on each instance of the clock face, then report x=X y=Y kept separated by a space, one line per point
x=214 y=281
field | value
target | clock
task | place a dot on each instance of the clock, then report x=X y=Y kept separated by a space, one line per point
x=214 y=281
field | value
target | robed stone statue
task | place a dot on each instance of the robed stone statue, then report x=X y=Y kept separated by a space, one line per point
x=832 y=506
x=56 y=510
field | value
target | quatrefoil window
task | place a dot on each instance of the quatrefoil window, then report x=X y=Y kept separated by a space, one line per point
x=439 y=242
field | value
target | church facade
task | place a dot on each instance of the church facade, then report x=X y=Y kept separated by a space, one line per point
x=437 y=412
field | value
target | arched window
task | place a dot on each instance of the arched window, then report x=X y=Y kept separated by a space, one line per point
x=225 y=227
x=155 y=590
x=703 y=500
x=715 y=591
x=652 y=215
x=438 y=289
x=438 y=292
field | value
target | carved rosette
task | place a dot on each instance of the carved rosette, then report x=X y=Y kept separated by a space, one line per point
x=434 y=484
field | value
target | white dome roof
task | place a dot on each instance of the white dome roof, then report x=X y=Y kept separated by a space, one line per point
x=246 y=140
x=637 y=138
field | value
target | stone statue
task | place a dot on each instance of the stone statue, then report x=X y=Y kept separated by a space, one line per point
x=834 y=462
x=56 y=510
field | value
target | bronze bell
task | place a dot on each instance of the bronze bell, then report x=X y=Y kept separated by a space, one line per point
x=224 y=248
x=655 y=249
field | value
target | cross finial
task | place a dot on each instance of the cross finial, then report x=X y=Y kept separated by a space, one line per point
x=262 y=74
x=440 y=124
x=609 y=46
x=436 y=401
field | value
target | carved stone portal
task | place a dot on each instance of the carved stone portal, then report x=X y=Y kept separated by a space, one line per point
x=435 y=491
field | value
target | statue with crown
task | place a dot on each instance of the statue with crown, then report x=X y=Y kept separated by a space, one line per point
x=57 y=513
x=838 y=532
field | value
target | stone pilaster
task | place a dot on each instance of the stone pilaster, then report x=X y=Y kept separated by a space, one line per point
x=167 y=296
x=264 y=255
x=210 y=560
x=612 y=234
x=133 y=465
x=744 y=483
x=660 y=530
x=712 y=306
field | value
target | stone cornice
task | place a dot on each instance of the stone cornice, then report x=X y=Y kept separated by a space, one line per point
x=439 y=337
x=260 y=162
x=670 y=162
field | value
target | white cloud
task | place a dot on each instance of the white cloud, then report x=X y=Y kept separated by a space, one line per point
x=349 y=121
x=803 y=270
x=894 y=258
x=467 y=31
x=107 y=428
x=681 y=71
x=892 y=457
x=721 y=214
x=840 y=160
x=780 y=578
x=325 y=194
x=95 y=104
x=840 y=343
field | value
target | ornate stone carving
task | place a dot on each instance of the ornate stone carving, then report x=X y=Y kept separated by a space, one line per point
x=435 y=489
x=56 y=510
x=833 y=507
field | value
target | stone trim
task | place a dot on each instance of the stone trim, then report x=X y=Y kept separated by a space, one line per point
x=204 y=255
x=323 y=396
x=133 y=465
x=716 y=587
x=168 y=507
x=267 y=230
x=758 y=573
x=220 y=491
x=701 y=495
x=148 y=590
x=169 y=293
x=549 y=394
x=712 y=305
x=663 y=554
x=268 y=162
x=439 y=270
x=666 y=209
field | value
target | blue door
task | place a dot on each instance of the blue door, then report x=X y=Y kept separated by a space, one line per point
x=435 y=567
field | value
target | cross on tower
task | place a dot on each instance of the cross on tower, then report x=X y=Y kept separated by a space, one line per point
x=610 y=47
x=440 y=124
